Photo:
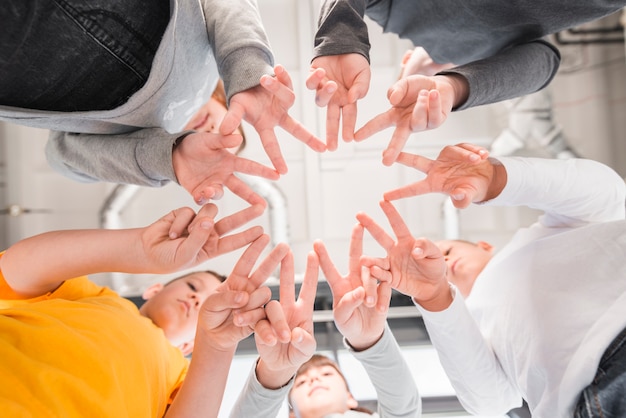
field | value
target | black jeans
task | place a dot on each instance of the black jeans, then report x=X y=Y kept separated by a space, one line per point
x=73 y=55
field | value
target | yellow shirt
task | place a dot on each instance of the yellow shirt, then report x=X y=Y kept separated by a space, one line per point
x=83 y=351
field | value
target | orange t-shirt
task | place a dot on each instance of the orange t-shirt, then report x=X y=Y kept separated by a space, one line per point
x=83 y=351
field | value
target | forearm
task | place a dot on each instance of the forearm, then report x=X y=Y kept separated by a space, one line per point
x=472 y=367
x=257 y=400
x=350 y=36
x=240 y=43
x=142 y=157
x=570 y=192
x=514 y=72
x=392 y=378
x=39 y=264
x=203 y=389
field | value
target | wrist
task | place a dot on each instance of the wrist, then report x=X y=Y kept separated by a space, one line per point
x=273 y=378
x=498 y=180
x=459 y=87
x=438 y=301
x=365 y=344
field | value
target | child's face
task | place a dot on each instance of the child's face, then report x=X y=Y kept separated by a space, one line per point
x=208 y=118
x=465 y=261
x=174 y=307
x=320 y=391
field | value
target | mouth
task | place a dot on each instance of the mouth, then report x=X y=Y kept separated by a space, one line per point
x=186 y=306
x=314 y=389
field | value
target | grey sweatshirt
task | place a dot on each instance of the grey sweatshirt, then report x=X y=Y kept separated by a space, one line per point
x=495 y=44
x=133 y=143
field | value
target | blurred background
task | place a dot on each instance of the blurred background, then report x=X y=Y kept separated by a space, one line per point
x=582 y=113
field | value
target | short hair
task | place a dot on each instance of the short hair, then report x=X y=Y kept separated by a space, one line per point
x=320 y=360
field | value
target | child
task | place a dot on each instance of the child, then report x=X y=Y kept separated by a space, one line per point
x=542 y=320
x=360 y=306
x=71 y=348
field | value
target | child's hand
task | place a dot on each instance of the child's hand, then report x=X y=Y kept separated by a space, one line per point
x=417 y=267
x=285 y=338
x=418 y=103
x=339 y=81
x=360 y=303
x=461 y=171
x=240 y=299
x=265 y=107
x=204 y=166
x=182 y=239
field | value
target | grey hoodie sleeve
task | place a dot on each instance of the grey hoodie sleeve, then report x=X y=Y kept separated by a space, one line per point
x=241 y=46
x=514 y=72
x=341 y=29
x=258 y=401
x=389 y=372
x=143 y=157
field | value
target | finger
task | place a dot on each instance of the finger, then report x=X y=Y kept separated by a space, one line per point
x=224 y=300
x=308 y=289
x=315 y=79
x=238 y=219
x=374 y=125
x=328 y=268
x=348 y=303
x=414 y=189
x=396 y=145
x=415 y=161
x=371 y=262
x=384 y=297
x=281 y=91
x=381 y=274
x=468 y=152
x=370 y=285
x=257 y=298
x=324 y=92
x=276 y=317
x=272 y=149
x=298 y=130
x=356 y=250
x=249 y=318
x=232 y=118
x=396 y=222
x=191 y=246
x=208 y=210
x=436 y=116
x=462 y=197
x=235 y=241
x=421 y=112
x=333 y=113
x=348 y=117
x=179 y=220
x=264 y=333
x=253 y=168
x=248 y=259
x=269 y=264
x=303 y=341
x=287 y=290
x=376 y=231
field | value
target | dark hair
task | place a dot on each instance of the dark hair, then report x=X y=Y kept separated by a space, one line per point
x=320 y=360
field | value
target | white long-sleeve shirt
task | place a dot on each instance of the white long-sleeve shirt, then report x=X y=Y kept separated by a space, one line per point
x=545 y=308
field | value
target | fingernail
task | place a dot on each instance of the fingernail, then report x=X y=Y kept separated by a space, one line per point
x=239 y=297
x=418 y=251
x=206 y=224
x=173 y=235
x=459 y=196
x=369 y=300
x=474 y=157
